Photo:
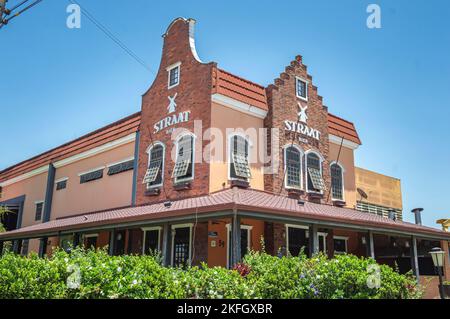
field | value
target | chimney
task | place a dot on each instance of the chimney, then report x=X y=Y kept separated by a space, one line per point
x=418 y=215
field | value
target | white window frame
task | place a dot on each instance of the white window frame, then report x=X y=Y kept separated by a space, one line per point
x=306 y=228
x=230 y=149
x=144 y=233
x=120 y=162
x=170 y=68
x=249 y=237
x=148 y=151
x=92 y=170
x=302 y=153
x=345 y=238
x=42 y=212
x=306 y=88
x=306 y=170
x=343 y=185
x=174 y=227
x=194 y=140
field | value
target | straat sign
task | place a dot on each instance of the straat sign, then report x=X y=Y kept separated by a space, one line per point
x=173 y=119
x=301 y=126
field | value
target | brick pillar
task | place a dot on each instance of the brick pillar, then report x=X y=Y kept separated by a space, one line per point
x=269 y=238
x=330 y=243
x=200 y=243
x=279 y=235
x=445 y=247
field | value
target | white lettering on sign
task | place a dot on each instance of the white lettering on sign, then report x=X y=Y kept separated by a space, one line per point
x=171 y=120
x=301 y=129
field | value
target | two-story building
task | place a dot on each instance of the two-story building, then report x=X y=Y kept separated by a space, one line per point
x=213 y=166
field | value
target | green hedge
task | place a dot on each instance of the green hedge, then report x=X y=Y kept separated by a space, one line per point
x=94 y=274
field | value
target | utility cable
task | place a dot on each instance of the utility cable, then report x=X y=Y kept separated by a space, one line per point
x=110 y=35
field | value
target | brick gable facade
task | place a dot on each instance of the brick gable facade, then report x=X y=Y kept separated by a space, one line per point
x=283 y=105
x=193 y=94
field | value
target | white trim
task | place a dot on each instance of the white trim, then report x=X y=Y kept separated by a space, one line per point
x=194 y=141
x=342 y=177
x=63 y=179
x=287 y=226
x=170 y=68
x=306 y=169
x=249 y=228
x=148 y=151
x=345 y=238
x=306 y=88
x=38 y=202
x=306 y=228
x=192 y=39
x=144 y=233
x=238 y=105
x=97 y=150
x=120 y=162
x=174 y=65
x=190 y=225
x=90 y=235
x=229 y=150
x=92 y=170
x=302 y=154
x=100 y=149
x=338 y=140
x=19 y=178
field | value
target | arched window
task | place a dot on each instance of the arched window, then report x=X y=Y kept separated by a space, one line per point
x=154 y=175
x=184 y=165
x=315 y=179
x=337 y=184
x=293 y=167
x=239 y=166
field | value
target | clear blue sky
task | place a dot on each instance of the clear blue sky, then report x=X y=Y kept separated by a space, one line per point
x=393 y=83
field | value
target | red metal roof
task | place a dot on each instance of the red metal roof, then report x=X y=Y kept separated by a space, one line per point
x=240 y=89
x=242 y=199
x=342 y=128
x=96 y=138
x=224 y=83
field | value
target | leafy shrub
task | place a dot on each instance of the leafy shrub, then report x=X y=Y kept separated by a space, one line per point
x=94 y=274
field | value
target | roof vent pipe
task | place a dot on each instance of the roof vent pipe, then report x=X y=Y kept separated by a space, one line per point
x=418 y=215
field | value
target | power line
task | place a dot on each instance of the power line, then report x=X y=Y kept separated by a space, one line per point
x=7 y=12
x=110 y=35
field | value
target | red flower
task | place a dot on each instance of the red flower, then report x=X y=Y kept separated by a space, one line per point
x=242 y=269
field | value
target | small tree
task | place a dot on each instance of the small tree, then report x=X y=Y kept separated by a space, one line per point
x=3 y=212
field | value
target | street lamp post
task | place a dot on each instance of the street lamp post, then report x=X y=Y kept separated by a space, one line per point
x=437 y=254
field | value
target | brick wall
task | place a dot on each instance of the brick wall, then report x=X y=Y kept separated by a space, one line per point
x=283 y=105
x=200 y=243
x=193 y=94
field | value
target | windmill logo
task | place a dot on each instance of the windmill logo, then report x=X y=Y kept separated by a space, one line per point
x=172 y=104
x=302 y=116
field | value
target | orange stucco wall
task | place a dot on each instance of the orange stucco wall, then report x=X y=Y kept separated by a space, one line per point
x=347 y=160
x=222 y=118
x=217 y=256
x=107 y=192
x=34 y=190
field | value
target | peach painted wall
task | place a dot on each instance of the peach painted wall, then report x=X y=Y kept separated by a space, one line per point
x=217 y=256
x=382 y=190
x=107 y=192
x=34 y=190
x=222 y=118
x=347 y=160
